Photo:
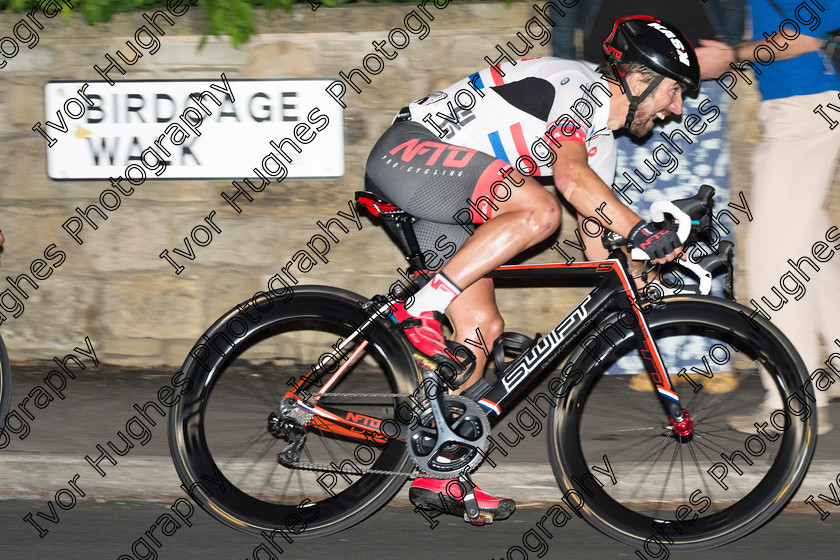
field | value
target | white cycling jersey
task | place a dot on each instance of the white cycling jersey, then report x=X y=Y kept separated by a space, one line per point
x=508 y=111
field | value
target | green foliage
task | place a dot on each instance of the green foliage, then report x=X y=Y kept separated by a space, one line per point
x=231 y=17
x=234 y=18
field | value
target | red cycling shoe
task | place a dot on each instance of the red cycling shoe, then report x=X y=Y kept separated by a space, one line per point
x=424 y=332
x=446 y=496
x=452 y=361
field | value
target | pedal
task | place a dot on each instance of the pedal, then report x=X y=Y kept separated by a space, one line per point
x=472 y=512
x=482 y=519
x=452 y=372
x=477 y=390
x=459 y=365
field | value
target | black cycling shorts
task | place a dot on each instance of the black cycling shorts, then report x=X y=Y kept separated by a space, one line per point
x=446 y=187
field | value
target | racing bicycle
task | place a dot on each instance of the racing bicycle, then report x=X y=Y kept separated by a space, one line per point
x=305 y=414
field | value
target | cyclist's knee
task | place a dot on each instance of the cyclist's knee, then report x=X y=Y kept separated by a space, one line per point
x=544 y=218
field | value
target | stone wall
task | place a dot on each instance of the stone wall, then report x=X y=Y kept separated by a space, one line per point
x=116 y=290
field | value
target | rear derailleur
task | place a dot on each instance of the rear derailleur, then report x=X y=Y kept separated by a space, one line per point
x=289 y=422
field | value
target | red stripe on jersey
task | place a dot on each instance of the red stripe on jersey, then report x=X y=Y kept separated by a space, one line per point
x=483 y=199
x=566 y=131
x=497 y=76
x=522 y=147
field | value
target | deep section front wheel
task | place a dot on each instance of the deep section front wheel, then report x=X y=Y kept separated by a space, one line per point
x=650 y=484
x=224 y=439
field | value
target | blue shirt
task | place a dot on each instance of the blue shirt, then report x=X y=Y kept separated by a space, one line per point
x=803 y=75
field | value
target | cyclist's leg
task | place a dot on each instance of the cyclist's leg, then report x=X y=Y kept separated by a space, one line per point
x=471 y=187
x=474 y=312
x=466 y=187
x=521 y=216
x=528 y=216
x=440 y=197
x=474 y=309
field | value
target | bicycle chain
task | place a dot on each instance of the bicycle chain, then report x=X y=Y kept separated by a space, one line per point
x=326 y=468
x=318 y=467
x=384 y=395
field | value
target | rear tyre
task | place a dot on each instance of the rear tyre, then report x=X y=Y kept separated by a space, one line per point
x=218 y=431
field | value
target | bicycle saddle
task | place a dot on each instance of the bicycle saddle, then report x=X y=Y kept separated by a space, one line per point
x=396 y=220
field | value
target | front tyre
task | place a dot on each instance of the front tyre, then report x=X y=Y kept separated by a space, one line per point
x=682 y=491
x=218 y=432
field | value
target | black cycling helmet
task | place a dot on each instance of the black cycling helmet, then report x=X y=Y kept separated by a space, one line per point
x=657 y=45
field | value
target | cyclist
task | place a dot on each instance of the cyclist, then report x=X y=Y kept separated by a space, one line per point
x=467 y=155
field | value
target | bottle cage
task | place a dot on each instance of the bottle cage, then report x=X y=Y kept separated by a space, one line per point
x=510 y=344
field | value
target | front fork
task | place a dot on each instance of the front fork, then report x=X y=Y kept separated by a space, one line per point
x=651 y=358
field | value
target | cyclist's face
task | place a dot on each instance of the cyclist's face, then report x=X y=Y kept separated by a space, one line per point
x=665 y=100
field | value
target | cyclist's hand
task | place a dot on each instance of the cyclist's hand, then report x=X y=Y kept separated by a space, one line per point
x=662 y=245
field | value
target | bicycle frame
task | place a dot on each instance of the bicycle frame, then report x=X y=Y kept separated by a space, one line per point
x=613 y=286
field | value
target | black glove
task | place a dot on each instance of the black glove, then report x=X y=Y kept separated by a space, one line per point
x=654 y=241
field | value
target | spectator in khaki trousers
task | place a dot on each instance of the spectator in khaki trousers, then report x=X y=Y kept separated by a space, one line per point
x=793 y=169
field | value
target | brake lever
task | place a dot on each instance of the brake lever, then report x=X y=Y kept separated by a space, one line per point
x=705 y=268
x=722 y=258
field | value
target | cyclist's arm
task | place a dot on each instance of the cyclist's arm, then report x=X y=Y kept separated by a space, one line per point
x=584 y=189
x=591 y=197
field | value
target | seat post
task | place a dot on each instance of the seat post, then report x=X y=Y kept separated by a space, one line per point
x=415 y=255
x=395 y=219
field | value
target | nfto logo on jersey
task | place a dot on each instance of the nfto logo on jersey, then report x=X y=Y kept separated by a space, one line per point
x=674 y=41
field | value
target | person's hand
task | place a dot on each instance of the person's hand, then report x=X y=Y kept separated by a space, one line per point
x=714 y=58
x=661 y=245
x=2 y=240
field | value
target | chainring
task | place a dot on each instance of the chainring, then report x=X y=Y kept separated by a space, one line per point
x=458 y=447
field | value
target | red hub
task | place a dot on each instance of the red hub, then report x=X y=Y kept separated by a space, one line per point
x=683 y=427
